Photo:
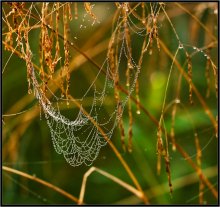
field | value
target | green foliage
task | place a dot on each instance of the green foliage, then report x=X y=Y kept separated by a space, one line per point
x=26 y=138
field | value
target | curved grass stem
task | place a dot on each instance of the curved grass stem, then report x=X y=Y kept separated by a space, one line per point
x=43 y=182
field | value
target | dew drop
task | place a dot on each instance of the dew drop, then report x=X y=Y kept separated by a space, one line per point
x=177 y=101
x=194 y=48
x=127 y=84
x=174 y=147
x=180 y=46
x=150 y=52
x=75 y=38
x=130 y=150
x=138 y=112
x=80 y=26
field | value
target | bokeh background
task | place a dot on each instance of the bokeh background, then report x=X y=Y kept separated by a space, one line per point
x=26 y=140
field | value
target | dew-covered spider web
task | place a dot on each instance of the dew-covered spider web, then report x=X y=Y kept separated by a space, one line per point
x=80 y=140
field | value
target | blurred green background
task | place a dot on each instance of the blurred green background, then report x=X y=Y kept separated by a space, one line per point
x=26 y=140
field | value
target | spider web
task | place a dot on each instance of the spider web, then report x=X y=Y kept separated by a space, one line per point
x=79 y=140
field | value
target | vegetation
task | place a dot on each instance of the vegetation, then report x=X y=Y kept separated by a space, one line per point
x=109 y=103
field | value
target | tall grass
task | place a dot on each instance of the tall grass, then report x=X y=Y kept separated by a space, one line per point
x=164 y=150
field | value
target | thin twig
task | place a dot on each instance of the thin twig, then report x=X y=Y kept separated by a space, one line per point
x=197 y=20
x=199 y=96
x=111 y=177
x=38 y=180
x=117 y=153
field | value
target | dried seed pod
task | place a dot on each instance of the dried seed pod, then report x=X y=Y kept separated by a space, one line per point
x=167 y=163
x=118 y=5
x=198 y=160
x=66 y=49
x=159 y=148
x=189 y=64
x=207 y=75
x=121 y=126
x=138 y=111
x=69 y=11
x=130 y=132
x=88 y=9
x=76 y=10
x=172 y=131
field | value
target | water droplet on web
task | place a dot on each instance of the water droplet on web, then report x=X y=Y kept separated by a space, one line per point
x=138 y=112
x=150 y=52
x=180 y=46
x=75 y=38
x=177 y=101
x=81 y=26
x=127 y=84
x=194 y=48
